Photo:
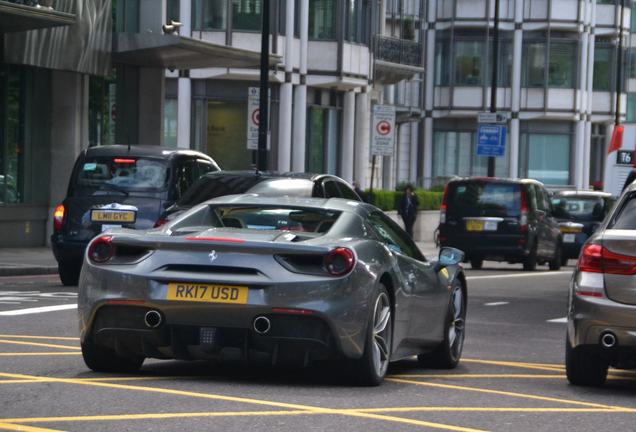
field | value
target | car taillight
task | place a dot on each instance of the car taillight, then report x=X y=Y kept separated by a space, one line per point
x=160 y=222
x=101 y=249
x=339 y=261
x=597 y=259
x=58 y=217
x=523 y=219
x=442 y=209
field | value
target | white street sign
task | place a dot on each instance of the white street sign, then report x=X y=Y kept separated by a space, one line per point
x=253 y=117
x=383 y=133
x=492 y=117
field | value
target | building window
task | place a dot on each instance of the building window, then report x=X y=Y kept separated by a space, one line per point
x=544 y=153
x=170 y=118
x=246 y=14
x=209 y=14
x=172 y=10
x=630 y=116
x=455 y=153
x=603 y=67
x=632 y=5
x=102 y=110
x=322 y=19
x=560 y=59
x=442 y=63
x=127 y=16
x=469 y=67
x=356 y=30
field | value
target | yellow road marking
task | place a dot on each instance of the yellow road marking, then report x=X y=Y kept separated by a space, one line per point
x=38 y=344
x=20 y=354
x=498 y=409
x=42 y=380
x=312 y=409
x=480 y=376
x=13 y=336
x=504 y=393
x=515 y=364
x=554 y=365
x=23 y=428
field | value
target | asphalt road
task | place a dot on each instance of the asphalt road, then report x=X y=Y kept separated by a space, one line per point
x=511 y=377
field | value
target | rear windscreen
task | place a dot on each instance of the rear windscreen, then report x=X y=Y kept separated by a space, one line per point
x=263 y=218
x=474 y=199
x=122 y=174
x=586 y=209
x=626 y=218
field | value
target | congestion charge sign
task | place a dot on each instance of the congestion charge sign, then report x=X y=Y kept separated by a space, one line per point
x=383 y=130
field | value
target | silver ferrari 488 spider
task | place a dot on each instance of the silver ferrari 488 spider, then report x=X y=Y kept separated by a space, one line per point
x=275 y=279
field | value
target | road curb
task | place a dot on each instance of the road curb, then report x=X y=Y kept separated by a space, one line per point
x=27 y=271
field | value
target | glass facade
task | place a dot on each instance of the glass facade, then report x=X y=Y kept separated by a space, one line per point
x=170 y=118
x=604 y=67
x=246 y=15
x=101 y=111
x=209 y=14
x=560 y=56
x=545 y=152
x=356 y=25
x=322 y=19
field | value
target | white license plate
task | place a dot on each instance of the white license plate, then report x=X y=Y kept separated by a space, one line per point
x=106 y=227
x=569 y=238
x=490 y=226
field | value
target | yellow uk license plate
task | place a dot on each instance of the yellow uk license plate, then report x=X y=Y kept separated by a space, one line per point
x=474 y=225
x=120 y=216
x=182 y=291
x=573 y=230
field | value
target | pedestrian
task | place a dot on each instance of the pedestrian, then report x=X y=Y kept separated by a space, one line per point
x=407 y=209
x=360 y=192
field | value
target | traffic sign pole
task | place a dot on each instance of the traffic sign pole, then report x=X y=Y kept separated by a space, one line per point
x=263 y=126
x=493 y=84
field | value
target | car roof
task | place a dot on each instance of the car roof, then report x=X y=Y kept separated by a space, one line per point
x=140 y=151
x=319 y=203
x=498 y=180
x=583 y=193
x=270 y=174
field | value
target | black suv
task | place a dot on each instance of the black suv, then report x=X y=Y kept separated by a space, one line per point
x=221 y=183
x=117 y=186
x=500 y=220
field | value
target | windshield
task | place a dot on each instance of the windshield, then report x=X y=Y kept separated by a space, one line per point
x=123 y=174
x=263 y=218
x=579 y=208
x=478 y=198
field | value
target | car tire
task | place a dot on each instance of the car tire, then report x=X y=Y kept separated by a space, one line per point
x=530 y=263
x=555 y=263
x=103 y=359
x=476 y=263
x=449 y=352
x=371 y=368
x=69 y=273
x=584 y=368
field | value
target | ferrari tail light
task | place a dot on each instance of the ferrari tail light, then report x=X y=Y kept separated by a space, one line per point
x=442 y=210
x=101 y=249
x=160 y=222
x=523 y=219
x=339 y=261
x=58 y=217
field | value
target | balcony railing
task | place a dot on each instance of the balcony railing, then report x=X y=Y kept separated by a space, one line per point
x=401 y=51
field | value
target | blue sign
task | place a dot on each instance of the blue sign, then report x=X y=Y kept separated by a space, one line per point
x=491 y=140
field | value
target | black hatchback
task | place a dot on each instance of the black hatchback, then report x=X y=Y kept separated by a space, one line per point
x=117 y=186
x=221 y=183
x=500 y=220
x=579 y=214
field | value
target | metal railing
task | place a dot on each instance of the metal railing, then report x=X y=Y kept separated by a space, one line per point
x=400 y=51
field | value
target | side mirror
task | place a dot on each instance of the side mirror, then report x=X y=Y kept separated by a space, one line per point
x=449 y=256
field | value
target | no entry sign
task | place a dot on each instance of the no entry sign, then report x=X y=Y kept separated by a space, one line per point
x=383 y=130
x=254 y=118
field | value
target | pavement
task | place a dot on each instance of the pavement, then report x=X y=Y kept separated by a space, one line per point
x=40 y=260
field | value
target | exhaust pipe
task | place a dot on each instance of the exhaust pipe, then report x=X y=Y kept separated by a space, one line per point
x=608 y=340
x=153 y=319
x=262 y=325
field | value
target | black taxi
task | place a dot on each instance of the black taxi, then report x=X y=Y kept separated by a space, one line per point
x=119 y=186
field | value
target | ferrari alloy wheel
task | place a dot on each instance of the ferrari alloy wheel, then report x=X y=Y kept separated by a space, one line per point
x=448 y=353
x=372 y=367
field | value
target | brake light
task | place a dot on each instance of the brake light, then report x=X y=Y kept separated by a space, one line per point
x=442 y=209
x=101 y=249
x=160 y=221
x=58 y=217
x=339 y=261
x=597 y=259
x=124 y=161
x=523 y=219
